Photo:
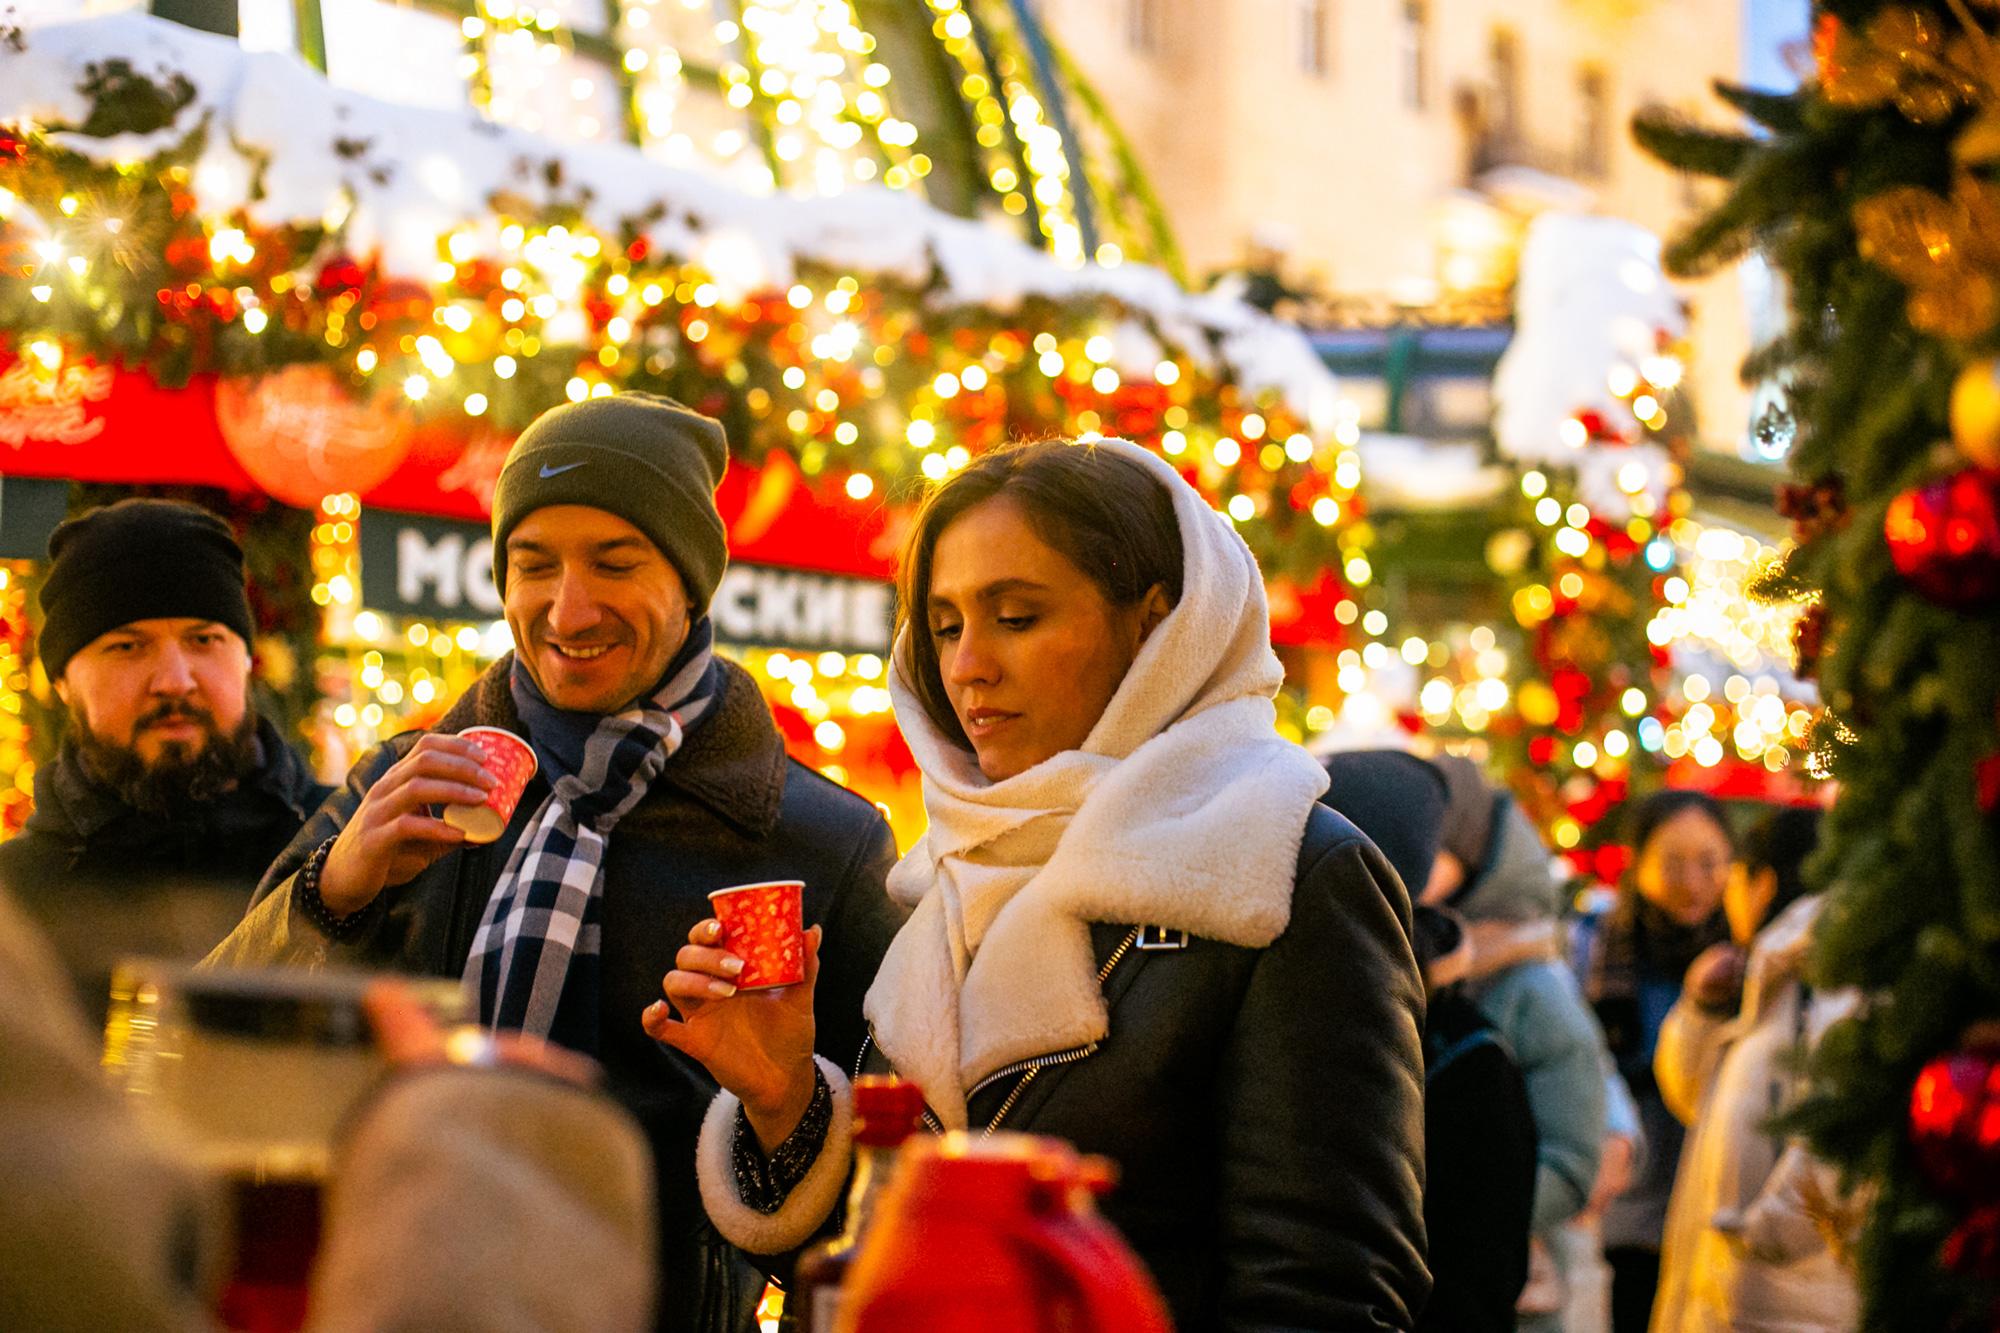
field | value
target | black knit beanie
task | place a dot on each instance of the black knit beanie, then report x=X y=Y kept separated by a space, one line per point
x=645 y=458
x=138 y=560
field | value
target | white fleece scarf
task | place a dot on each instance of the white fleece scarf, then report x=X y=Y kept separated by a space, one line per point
x=1183 y=809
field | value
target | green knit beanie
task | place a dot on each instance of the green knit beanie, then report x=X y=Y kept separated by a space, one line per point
x=643 y=457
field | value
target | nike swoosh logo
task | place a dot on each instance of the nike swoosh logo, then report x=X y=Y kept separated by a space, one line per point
x=548 y=471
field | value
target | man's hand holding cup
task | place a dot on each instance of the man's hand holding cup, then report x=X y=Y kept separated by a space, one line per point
x=394 y=834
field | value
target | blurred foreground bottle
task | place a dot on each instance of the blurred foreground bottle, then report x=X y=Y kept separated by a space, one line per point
x=1000 y=1232
x=886 y=1112
x=253 y=1071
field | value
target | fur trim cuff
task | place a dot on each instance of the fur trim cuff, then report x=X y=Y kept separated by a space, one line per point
x=809 y=1205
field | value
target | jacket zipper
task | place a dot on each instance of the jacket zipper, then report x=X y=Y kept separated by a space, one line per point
x=1028 y=1069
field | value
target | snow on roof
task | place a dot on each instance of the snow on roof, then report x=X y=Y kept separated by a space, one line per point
x=287 y=147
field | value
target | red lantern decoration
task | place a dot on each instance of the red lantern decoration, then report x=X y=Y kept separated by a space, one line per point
x=302 y=436
x=1955 y=1122
x=1945 y=538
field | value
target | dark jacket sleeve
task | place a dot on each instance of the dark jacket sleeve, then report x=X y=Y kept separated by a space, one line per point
x=860 y=921
x=274 y=931
x=1323 y=1111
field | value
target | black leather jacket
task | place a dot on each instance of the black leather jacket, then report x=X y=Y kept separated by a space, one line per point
x=730 y=809
x=1265 y=1106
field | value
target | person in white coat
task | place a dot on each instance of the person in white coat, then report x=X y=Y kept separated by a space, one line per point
x=1756 y=1229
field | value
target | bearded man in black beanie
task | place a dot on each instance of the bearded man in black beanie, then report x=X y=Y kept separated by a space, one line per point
x=170 y=795
x=661 y=777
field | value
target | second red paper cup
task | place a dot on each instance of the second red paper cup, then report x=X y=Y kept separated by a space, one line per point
x=763 y=924
x=508 y=758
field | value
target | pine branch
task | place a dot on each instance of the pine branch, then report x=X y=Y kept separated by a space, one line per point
x=1680 y=143
x=1781 y=113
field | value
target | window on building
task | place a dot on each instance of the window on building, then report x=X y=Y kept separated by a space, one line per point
x=1142 y=24
x=1313 y=20
x=1505 y=69
x=1413 y=54
x=1593 y=125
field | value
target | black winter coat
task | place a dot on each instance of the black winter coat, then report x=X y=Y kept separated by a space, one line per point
x=731 y=808
x=105 y=881
x=1265 y=1106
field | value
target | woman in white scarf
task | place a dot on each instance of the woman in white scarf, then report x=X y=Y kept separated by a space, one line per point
x=1133 y=925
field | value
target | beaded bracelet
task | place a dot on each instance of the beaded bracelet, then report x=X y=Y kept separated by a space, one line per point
x=305 y=893
x=764 y=1183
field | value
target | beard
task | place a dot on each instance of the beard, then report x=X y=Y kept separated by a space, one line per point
x=182 y=775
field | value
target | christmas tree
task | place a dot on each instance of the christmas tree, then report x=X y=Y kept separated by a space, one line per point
x=1873 y=190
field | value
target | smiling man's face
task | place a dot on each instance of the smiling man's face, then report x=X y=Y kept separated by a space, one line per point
x=597 y=611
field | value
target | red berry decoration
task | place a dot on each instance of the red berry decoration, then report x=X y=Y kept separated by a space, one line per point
x=1973 y=1247
x=1945 y=538
x=1987 y=776
x=1955 y=1122
x=1809 y=640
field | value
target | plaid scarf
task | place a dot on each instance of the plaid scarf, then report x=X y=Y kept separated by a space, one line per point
x=535 y=961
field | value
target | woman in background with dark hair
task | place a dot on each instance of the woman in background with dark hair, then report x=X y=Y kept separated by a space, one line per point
x=1669 y=911
x=1134 y=926
x=1746 y=1248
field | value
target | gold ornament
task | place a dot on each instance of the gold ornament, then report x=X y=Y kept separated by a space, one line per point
x=1945 y=250
x=1908 y=230
x=1975 y=413
x=1852 y=72
x=1537 y=704
x=1963 y=307
x=1978 y=144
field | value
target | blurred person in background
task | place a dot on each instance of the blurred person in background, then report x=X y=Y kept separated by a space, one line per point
x=1493 y=871
x=169 y=795
x=1747 y=1241
x=107 y=1222
x=1479 y=1129
x=1669 y=912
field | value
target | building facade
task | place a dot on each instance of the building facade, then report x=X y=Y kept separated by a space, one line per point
x=1354 y=134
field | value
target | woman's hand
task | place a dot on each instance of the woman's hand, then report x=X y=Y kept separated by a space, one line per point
x=758 y=1045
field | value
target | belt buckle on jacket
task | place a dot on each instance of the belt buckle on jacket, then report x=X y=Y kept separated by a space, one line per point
x=1159 y=939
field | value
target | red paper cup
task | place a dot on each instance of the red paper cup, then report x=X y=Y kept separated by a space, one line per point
x=763 y=924
x=508 y=758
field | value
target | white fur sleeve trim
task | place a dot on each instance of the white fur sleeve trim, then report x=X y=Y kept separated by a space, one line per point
x=809 y=1204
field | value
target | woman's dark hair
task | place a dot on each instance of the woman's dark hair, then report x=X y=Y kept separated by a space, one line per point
x=1105 y=512
x=1662 y=806
x=1782 y=841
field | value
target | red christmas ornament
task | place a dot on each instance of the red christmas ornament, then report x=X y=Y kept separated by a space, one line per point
x=339 y=274
x=1955 y=1122
x=12 y=147
x=1945 y=538
x=1541 y=750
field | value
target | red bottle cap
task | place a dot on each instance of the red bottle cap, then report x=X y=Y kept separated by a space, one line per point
x=887 y=1110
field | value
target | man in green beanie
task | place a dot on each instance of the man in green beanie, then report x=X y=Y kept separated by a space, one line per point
x=661 y=777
